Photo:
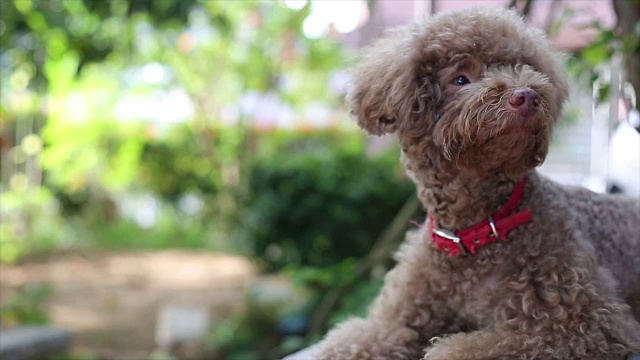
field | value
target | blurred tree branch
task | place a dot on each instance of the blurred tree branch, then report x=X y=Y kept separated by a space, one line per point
x=381 y=252
x=522 y=6
x=628 y=13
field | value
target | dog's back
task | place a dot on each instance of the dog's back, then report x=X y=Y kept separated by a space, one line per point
x=612 y=224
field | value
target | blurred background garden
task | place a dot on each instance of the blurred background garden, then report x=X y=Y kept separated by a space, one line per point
x=181 y=178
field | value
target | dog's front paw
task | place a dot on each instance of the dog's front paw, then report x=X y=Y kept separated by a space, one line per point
x=439 y=353
x=346 y=352
x=364 y=339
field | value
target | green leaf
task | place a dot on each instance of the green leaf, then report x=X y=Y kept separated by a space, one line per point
x=596 y=54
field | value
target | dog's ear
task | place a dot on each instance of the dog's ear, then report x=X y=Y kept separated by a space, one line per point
x=383 y=89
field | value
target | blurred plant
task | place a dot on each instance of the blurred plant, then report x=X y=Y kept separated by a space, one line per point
x=628 y=29
x=328 y=216
x=608 y=44
x=74 y=356
x=30 y=224
x=620 y=42
x=273 y=312
x=148 y=96
x=320 y=205
x=181 y=164
x=178 y=98
x=26 y=306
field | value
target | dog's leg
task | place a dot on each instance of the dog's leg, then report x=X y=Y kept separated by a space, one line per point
x=578 y=321
x=477 y=345
x=545 y=345
x=398 y=328
x=366 y=339
x=409 y=310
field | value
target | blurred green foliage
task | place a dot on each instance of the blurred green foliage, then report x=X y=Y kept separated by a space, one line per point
x=74 y=149
x=319 y=207
x=252 y=335
x=30 y=224
x=595 y=59
x=26 y=306
x=312 y=209
x=271 y=326
x=68 y=64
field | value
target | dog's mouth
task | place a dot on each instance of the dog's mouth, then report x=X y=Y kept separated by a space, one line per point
x=520 y=126
x=517 y=131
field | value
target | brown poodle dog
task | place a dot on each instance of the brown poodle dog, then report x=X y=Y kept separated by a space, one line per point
x=528 y=269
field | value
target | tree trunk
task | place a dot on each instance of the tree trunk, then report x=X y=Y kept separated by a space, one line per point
x=628 y=13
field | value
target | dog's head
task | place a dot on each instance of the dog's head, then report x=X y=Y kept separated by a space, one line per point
x=476 y=89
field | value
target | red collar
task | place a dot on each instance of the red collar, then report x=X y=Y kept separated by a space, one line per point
x=496 y=227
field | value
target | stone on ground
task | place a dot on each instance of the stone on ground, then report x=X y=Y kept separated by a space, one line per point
x=33 y=342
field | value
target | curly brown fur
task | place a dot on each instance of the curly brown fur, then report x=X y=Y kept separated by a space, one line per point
x=564 y=285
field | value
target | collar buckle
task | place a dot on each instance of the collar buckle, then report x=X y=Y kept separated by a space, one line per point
x=494 y=229
x=450 y=235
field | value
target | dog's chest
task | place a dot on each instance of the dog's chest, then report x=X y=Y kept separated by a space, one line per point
x=478 y=295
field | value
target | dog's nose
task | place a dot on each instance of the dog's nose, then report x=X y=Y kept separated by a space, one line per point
x=524 y=101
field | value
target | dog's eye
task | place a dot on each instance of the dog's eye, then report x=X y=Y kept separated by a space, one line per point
x=461 y=80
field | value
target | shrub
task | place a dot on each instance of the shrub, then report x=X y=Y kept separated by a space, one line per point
x=26 y=306
x=320 y=204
